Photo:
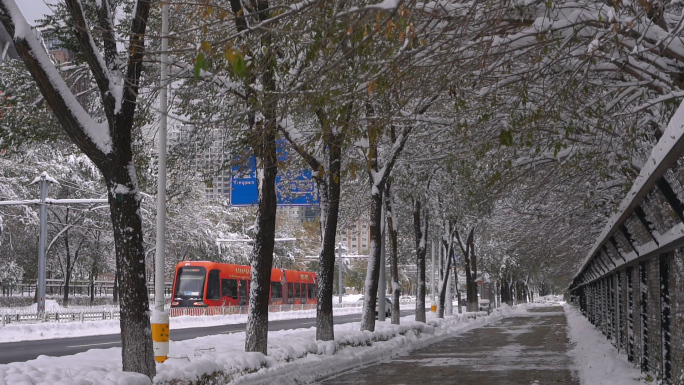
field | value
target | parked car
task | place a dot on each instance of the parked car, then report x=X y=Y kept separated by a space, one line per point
x=388 y=307
x=483 y=305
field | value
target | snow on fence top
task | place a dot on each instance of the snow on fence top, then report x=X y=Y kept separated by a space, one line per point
x=610 y=247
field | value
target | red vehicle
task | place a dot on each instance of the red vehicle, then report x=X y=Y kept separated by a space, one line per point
x=202 y=284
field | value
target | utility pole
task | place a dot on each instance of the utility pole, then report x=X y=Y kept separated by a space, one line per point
x=159 y=319
x=42 y=239
x=44 y=179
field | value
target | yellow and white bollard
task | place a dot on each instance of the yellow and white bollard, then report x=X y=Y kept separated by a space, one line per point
x=160 y=335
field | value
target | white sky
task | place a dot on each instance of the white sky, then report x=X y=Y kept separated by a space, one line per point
x=33 y=9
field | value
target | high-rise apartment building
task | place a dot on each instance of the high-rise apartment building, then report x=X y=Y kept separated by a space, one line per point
x=356 y=237
x=206 y=156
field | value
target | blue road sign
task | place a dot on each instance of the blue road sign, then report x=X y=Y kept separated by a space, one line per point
x=293 y=187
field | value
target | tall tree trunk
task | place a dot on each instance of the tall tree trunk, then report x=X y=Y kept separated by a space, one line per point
x=473 y=303
x=443 y=290
x=447 y=243
x=124 y=204
x=394 y=263
x=420 y=228
x=458 y=293
x=373 y=269
x=377 y=176
x=468 y=256
x=449 y=297
x=330 y=191
x=262 y=254
x=328 y=181
x=263 y=142
x=115 y=288
x=256 y=339
x=108 y=146
x=469 y=281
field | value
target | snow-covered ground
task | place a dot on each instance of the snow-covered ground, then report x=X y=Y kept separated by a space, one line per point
x=49 y=330
x=597 y=360
x=43 y=331
x=294 y=356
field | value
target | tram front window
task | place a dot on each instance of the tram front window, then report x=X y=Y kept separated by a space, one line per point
x=189 y=286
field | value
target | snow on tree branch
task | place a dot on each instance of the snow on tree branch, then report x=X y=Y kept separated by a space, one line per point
x=89 y=134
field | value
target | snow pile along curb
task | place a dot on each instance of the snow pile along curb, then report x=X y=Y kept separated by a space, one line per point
x=50 y=330
x=299 y=358
x=294 y=356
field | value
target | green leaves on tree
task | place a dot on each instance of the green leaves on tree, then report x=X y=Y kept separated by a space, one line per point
x=506 y=137
x=200 y=64
x=237 y=61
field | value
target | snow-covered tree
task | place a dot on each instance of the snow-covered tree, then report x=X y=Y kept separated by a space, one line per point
x=105 y=138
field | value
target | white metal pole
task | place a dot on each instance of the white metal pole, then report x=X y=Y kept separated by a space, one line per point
x=43 y=180
x=432 y=275
x=4 y=52
x=42 y=238
x=160 y=318
x=382 y=284
x=339 y=273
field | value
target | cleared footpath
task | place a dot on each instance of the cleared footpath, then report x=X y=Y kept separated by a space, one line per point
x=522 y=349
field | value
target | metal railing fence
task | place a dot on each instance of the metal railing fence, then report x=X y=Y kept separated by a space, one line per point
x=62 y=315
x=630 y=283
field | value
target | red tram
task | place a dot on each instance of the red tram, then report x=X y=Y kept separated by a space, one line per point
x=202 y=284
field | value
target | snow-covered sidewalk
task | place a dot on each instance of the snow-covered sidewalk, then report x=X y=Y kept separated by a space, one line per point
x=294 y=356
x=597 y=360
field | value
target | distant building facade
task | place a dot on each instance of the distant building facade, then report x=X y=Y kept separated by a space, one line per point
x=356 y=237
x=206 y=156
x=301 y=213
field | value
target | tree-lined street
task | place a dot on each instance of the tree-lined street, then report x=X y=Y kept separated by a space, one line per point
x=490 y=142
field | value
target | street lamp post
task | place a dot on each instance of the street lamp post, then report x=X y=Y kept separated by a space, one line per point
x=42 y=239
x=159 y=319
